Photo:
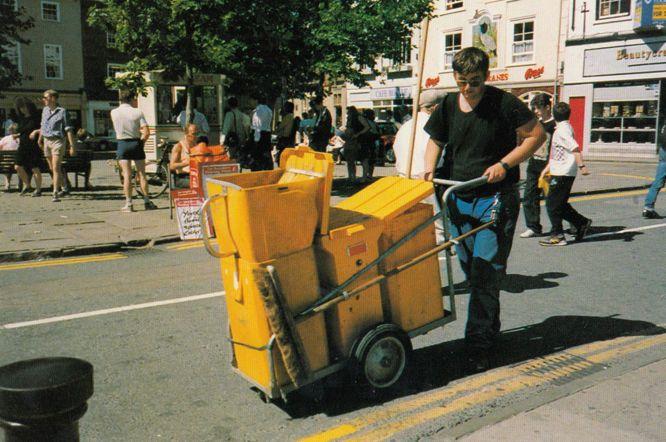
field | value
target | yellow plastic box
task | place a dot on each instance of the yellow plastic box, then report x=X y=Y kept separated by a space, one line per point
x=350 y=245
x=264 y=215
x=414 y=296
x=248 y=323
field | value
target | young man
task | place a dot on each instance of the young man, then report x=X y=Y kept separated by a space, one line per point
x=262 y=117
x=131 y=132
x=541 y=107
x=479 y=126
x=54 y=128
x=565 y=160
x=659 y=177
x=321 y=129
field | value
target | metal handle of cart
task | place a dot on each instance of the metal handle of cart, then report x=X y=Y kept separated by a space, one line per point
x=339 y=293
x=203 y=216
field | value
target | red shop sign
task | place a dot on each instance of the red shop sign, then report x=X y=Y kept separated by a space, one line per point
x=534 y=73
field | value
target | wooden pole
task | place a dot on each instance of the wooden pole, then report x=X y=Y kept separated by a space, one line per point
x=415 y=101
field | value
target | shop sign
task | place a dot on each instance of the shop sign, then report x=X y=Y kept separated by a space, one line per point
x=499 y=76
x=622 y=60
x=649 y=15
x=391 y=93
x=484 y=37
x=533 y=74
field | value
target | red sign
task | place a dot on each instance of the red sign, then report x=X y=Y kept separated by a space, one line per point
x=534 y=73
x=198 y=172
x=501 y=76
x=432 y=81
x=357 y=249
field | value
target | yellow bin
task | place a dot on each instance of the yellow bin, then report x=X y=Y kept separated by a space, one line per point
x=248 y=324
x=264 y=215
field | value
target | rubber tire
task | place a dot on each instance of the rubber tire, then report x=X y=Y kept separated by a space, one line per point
x=365 y=352
x=157 y=182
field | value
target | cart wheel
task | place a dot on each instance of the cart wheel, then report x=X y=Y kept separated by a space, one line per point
x=382 y=355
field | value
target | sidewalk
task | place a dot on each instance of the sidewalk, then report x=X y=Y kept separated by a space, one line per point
x=90 y=221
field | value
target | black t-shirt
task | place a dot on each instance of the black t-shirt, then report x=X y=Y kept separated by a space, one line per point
x=478 y=139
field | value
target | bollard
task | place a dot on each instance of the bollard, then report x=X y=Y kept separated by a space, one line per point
x=43 y=399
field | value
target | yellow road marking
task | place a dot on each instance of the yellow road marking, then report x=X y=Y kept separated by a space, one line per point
x=495 y=376
x=520 y=382
x=602 y=196
x=185 y=245
x=620 y=175
x=63 y=261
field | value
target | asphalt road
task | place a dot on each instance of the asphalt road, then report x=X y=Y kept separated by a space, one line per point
x=572 y=316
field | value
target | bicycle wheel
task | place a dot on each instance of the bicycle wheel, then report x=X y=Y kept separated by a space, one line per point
x=157 y=182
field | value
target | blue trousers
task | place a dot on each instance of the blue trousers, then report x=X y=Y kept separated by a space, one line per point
x=483 y=257
x=659 y=180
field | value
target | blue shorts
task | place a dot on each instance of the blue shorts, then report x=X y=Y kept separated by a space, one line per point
x=130 y=150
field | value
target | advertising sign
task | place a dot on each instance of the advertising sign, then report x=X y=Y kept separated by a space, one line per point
x=188 y=202
x=623 y=60
x=484 y=37
x=649 y=15
x=391 y=93
x=199 y=172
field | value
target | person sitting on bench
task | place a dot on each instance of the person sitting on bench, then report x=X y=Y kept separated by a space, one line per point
x=179 y=164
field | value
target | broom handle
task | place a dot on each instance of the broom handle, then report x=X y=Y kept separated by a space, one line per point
x=415 y=102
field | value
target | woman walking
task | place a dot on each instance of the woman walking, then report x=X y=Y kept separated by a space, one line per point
x=29 y=154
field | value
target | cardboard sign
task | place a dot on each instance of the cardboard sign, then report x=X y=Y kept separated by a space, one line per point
x=199 y=172
x=188 y=202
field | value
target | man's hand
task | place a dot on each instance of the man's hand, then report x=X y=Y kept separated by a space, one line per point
x=495 y=173
x=428 y=176
x=72 y=151
x=584 y=170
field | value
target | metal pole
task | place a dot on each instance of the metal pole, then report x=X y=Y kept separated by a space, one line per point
x=415 y=101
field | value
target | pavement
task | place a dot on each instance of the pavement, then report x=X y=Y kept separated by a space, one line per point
x=90 y=221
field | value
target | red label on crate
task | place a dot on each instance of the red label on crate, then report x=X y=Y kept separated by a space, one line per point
x=357 y=249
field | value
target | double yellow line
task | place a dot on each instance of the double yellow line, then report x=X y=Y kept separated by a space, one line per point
x=62 y=261
x=185 y=245
x=393 y=419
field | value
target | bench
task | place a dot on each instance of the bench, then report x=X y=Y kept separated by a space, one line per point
x=7 y=161
x=78 y=164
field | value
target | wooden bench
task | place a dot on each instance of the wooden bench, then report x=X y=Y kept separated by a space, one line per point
x=7 y=161
x=78 y=164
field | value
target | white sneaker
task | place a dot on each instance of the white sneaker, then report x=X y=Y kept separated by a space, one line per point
x=529 y=233
x=127 y=208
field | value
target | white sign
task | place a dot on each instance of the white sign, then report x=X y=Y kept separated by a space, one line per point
x=391 y=93
x=188 y=203
x=631 y=59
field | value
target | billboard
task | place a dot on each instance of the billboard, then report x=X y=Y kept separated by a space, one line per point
x=649 y=15
x=484 y=37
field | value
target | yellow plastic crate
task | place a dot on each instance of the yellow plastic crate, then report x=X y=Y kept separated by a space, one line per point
x=248 y=322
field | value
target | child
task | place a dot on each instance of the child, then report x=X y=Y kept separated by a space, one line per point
x=10 y=142
x=565 y=159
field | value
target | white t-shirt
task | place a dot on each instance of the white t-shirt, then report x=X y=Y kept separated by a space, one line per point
x=9 y=143
x=261 y=120
x=401 y=146
x=127 y=122
x=562 y=159
x=199 y=119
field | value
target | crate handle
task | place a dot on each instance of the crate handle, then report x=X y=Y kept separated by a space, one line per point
x=203 y=218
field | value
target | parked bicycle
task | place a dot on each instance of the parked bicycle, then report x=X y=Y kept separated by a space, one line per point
x=158 y=181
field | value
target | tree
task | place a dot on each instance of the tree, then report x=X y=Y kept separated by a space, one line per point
x=14 y=22
x=177 y=37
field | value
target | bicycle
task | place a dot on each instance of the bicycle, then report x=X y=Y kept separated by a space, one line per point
x=158 y=181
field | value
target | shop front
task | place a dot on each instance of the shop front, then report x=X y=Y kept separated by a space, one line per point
x=618 y=99
x=387 y=101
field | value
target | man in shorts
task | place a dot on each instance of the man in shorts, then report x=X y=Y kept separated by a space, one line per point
x=53 y=130
x=131 y=132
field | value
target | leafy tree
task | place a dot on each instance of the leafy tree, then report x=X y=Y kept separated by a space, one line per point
x=14 y=22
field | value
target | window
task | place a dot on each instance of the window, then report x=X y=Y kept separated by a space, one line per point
x=12 y=3
x=522 y=49
x=112 y=68
x=50 y=11
x=53 y=62
x=452 y=44
x=453 y=4
x=110 y=39
x=13 y=53
x=612 y=8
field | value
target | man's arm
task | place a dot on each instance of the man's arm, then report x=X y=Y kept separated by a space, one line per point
x=432 y=154
x=145 y=134
x=532 y=136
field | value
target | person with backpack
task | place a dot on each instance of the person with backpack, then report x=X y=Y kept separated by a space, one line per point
x=235 y=130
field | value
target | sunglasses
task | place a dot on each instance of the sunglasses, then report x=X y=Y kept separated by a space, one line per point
x=472 y=83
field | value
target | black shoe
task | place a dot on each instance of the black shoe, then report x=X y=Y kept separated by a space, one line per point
x=478 y=360
x=582 y=230
x=650 y=214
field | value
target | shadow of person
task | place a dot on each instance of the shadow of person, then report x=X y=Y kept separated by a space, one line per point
x=609 y=233
x=437 y=365
x=342 y=187
x=514 y=283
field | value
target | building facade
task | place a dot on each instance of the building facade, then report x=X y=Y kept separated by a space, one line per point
x=614 y=76
x=521 y=37
x=53 y=58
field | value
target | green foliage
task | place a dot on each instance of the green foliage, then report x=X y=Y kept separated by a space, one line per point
x=14 y=22
x=133 y=79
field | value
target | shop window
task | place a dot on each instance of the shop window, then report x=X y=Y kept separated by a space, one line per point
x=612 y=8
x=102 y=121
x=522 y=50
x=13 y=54
x=110 y=39
x=172 y=100
x=528 y=96
x=453 y=4
x=452 y=44
x=50 y=11
x=53 y=62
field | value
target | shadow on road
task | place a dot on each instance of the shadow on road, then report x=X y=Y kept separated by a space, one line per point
x=343 y=188
x=436 y=366
x=609 y=233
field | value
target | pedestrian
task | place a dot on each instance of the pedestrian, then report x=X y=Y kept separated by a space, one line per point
x=53 y=130
x=195 y=118
x=83 y=138
x=131 y=133
x=480 y=126
x=285 y=130
x=354 y=128
x=11 y=119
x=262 y=118
x=369 y=147
x=659 y=177
x=29 y=155
x=235 y=130
x=565 y=160
x=323 y=124
x=305 y=128
x=7 y=143
x=541 y=106
x=179 y=164
x=428 y=101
